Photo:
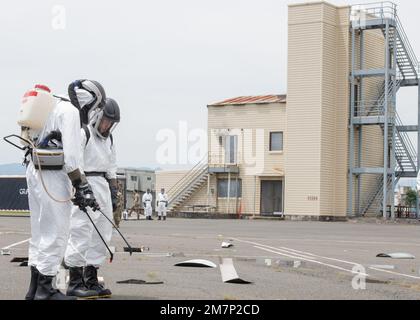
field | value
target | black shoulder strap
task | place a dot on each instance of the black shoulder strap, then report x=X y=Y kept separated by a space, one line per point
x=112 y=140
x=87 y=132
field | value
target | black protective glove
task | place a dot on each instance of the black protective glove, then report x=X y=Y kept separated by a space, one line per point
x=84 y=196
x=113 y=187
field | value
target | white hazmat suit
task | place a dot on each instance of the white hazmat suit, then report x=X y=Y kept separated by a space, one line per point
x=147 y=203
x=99 y=164
x=50 y=219
x=162 y=199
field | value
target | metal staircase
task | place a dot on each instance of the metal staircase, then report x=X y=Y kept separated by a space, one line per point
x=406 y=155
x=403 y=70
x=188 y=185
x=375 y=200
x=406 y=59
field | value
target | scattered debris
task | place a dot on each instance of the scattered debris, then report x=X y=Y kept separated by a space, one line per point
x=262 y=262
x=196 y=264
x=226 y=245
x=5 y=252
x=136 y=250
x=229 y=274
x=135 y=281
x=296 y=264
x=396 y=256
x=19 y=260
x=281 y=263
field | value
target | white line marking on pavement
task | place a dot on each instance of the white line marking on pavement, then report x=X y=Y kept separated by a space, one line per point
x=322 y=257
x=396 y=273
x=13 y=232
x=17 y=244
x=313 y=261
x=339 y=241
x=300 y=253
x=295 y=252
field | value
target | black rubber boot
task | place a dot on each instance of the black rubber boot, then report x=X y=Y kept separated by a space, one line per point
x=92 y=283
x=159 y=218
x=45 y=290
x=33 y=285
x=77 y=287
x=164 y=218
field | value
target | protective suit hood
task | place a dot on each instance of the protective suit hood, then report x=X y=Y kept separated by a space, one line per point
x=95 y=89
x=84 y=97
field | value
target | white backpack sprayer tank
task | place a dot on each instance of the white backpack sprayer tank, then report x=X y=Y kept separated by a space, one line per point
x=37 y=105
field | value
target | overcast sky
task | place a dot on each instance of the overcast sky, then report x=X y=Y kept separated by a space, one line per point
x=163 y=61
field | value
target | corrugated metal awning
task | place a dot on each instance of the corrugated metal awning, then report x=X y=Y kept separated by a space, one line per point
x=252 y=100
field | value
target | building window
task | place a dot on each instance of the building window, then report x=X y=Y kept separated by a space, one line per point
x=276 y=141
x=235 y=188
x=149 y=178
x=133 y=178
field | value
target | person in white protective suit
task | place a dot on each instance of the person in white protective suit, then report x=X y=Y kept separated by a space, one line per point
x=50 y=194
x=162 y=204
x=147 y=205
x=85 y=248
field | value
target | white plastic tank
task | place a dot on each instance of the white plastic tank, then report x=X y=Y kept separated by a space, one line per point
x=36 y=106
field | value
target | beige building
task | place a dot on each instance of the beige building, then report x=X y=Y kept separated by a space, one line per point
x=272 y=155
x=244 y=170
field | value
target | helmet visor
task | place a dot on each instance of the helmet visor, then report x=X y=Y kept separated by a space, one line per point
x=106 y=126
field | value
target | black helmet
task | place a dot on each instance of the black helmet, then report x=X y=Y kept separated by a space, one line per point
x=105 y=121
x=95 y=89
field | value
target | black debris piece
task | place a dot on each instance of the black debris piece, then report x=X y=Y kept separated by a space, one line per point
x=19 y=260
x=135 y=281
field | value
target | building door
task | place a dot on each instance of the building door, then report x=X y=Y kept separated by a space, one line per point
x=231 y=149
x=271 y=197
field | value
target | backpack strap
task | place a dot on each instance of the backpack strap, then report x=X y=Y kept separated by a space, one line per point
x=112 y=140
x=87 y=132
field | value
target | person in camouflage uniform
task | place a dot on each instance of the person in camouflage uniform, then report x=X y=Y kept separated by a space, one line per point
x=120 y=205
x=136 y=205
